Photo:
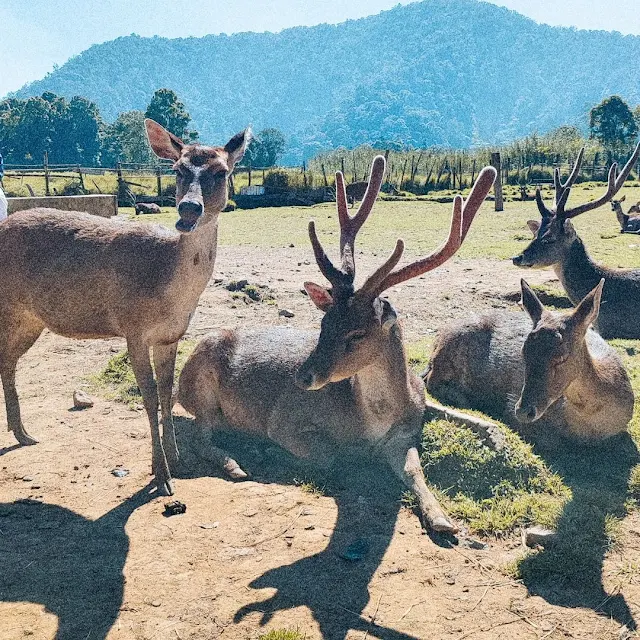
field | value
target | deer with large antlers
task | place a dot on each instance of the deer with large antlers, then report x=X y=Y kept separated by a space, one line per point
x=628 y=223
x=540 y=367
x=350 y=385
x=556 y=244
x=87 y=277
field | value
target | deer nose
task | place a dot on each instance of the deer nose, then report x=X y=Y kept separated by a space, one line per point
x=517 y=260
x=305 y=380
x=190 y=207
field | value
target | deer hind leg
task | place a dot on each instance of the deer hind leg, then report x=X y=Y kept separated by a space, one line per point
x=139 y=354
x=405 y=462
x=19 y=336
x=164 y=360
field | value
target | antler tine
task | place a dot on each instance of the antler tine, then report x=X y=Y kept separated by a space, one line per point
x=614 y=185
x=562 y=194
x=478 y=193
x=377 y=277
x=545 y=212
x=341 y=203
x=349 y=226
x=333 y=275
x=463 y=215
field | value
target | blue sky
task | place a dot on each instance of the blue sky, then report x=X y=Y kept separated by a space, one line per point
x=36 y=34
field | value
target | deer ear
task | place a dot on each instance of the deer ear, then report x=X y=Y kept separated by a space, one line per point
x=624 y=197
x=389 y=317
x=587 y=311
x=534 y=226
x=163 y=142
x=319 y=296
x=531 y=303
x=238 y=145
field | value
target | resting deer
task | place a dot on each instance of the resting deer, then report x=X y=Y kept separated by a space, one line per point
x=351 y=384
x=567 y=378
x=628 y=223
x=356 y=191
x=556 y=244
x=87 y=277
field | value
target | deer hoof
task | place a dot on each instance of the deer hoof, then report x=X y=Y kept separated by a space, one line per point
x=442 y=525
x=165 y=486
x=25 y=439
x=233 y=470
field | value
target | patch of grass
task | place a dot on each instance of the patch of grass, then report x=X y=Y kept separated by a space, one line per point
x=418 y=353
x=242 y=290
x=282 y=634
x=120 y=384
x=494 y=491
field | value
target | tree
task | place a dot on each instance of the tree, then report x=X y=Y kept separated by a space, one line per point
x=266 y=148
x=167 y=110
x=125 y=140
x=613 y=125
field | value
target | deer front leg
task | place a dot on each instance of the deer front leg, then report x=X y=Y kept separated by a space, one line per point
x=14 y=420
x=405 y=462
x=164 y=360
x=139 y=354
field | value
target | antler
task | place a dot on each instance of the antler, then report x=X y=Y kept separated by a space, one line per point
x=343 y=278
x=463 y=215
x=563 y=191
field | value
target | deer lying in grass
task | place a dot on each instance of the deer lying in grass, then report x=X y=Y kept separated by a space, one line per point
x=87 y=277
x=567 y=378
x=356 y=191
x=556 y=244
x=350 y=385
x=628 y=223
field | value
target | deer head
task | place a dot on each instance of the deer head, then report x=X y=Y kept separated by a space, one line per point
x=358 y=324
x=553 y=352
x=554 y=233
x=201 y=173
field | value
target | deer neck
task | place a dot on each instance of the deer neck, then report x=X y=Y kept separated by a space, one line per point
x=593 y=395
x=620 y=215
x=382 y=389
x=197 y=254
x=577 y=272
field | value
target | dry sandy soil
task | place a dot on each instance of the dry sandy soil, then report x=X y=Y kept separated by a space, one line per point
x=86 y=555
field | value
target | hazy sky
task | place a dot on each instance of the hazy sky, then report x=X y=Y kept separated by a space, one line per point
x=36 y=34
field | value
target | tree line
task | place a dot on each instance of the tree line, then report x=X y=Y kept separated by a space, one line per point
x=73 y=132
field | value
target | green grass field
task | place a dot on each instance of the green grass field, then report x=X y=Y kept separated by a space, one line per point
x=583 y=491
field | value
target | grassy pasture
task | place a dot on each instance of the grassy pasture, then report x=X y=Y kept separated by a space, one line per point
x=583 y=492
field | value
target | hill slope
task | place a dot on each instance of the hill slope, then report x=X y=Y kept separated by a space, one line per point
x=450 y=72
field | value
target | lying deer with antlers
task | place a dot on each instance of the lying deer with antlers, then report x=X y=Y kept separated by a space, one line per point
x=556 y=244
x=82 y=276
x=544 y=367
x=628 y=223
x=350 y=385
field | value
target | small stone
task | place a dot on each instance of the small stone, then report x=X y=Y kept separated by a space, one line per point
x=209 y=525
x=82 y=400
x=27 y=478
x=286 y=313
x=119 y=472
x=156 y=603
x=310 y=527
x=538 y=536
x=174 y=508
x=470 y=543
x=249 y=513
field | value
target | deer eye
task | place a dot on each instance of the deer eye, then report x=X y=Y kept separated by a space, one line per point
x=354 y=338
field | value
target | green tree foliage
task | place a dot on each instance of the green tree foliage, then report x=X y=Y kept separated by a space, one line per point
x=125 y=140
x=166 y=109
x=613 y=125
x=266 y=148
x=67 y=130
x=460 y=74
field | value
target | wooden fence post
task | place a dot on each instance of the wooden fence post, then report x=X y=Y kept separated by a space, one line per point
x=47 y=192
x=495 y=162
x=324 y=175
x=80 y=176
x=159 y=182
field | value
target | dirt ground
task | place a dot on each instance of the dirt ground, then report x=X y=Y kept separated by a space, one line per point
x=87 y=555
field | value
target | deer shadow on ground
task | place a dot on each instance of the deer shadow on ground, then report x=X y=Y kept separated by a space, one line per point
x=334 y=588
x=69 y=564
x=568 y=572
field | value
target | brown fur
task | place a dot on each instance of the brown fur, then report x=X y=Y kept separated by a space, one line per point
x=85 y=277
x=146 y=207
x=555 y=373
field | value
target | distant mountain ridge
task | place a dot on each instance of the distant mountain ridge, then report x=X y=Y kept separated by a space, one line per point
x=437 y=72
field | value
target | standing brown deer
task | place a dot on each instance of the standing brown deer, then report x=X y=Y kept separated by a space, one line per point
x=350 y=385
x=627 y=222
x=556 y=372
x=556 y=244
x=86 y=277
